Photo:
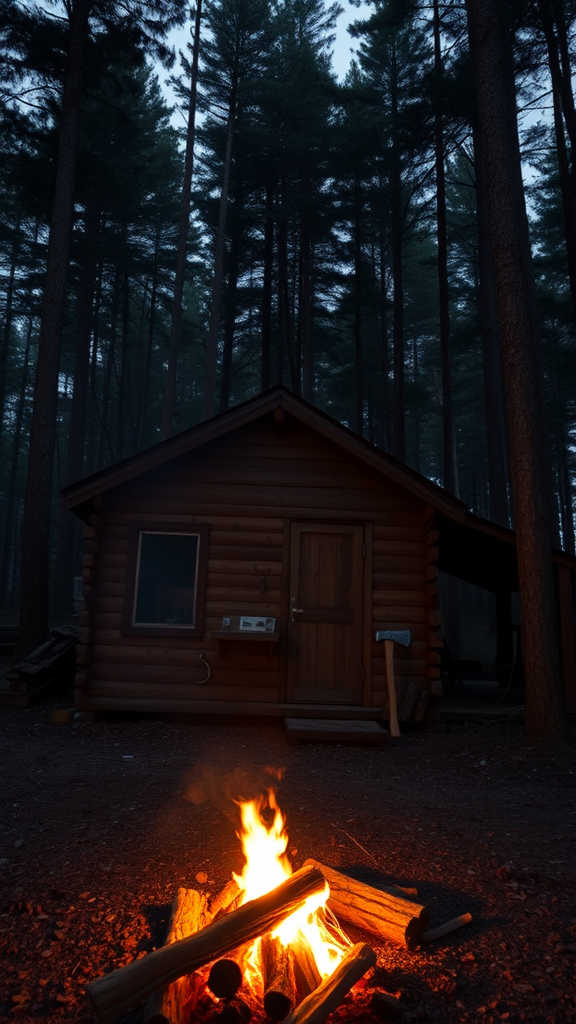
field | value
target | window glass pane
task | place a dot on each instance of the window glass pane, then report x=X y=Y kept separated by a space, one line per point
x=166 y=579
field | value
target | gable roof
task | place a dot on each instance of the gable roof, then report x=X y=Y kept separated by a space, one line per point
x=78 y=494
x=471 y=547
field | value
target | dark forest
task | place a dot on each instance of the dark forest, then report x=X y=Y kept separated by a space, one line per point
x=397 y=248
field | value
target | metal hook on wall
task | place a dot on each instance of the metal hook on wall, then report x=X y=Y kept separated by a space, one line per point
x=200 y=682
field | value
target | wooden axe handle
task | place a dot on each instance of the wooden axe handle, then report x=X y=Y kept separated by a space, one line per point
x=389 y=651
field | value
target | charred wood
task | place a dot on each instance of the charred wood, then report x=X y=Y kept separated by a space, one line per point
x=276 y=963
x=117 y=992
x=225 y=978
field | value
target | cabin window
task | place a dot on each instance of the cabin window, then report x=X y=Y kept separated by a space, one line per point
x=168 y=574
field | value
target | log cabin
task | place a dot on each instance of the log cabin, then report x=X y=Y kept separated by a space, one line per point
x=245 y=566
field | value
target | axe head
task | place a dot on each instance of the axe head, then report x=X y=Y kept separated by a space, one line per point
x=399 y=636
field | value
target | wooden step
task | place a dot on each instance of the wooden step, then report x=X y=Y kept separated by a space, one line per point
x=331 y=730
x=345 y=712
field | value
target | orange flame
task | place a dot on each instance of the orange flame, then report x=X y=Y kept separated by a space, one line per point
x=267 y=865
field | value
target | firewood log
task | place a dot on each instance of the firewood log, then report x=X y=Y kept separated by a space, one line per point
x=225 y=978
x=316 y=1007
x=119 y=991
x=374 y=910
x=399 y=890
x=276 y=964
x=445 y=929
x=306 y=973
x=225 y=900
x=167 y=1006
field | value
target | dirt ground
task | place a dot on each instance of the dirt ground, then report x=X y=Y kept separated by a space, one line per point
x=102 y=821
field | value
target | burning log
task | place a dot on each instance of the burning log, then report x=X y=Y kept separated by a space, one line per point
x=189 y=915
x=445 y=929
x=226 y=899
x=225 y=979
x=276 y=962
x=306 y=973
x=316 y=1007
x=374 y=910
x=119 y=991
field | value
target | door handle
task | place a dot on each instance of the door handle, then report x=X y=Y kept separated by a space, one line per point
x=294 y=610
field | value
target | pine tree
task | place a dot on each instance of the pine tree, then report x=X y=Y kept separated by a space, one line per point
x=394 y=55
x=232 y=66
x=522 y=372
x=83 y=15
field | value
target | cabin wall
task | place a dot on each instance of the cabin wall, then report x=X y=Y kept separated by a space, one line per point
x=248 y=487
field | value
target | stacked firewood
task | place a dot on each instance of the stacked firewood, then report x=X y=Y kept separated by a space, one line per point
x=178 y=982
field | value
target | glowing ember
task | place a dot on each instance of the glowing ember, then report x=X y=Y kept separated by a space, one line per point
x=267 y=865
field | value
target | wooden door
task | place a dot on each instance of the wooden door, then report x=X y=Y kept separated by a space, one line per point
x=325 y=616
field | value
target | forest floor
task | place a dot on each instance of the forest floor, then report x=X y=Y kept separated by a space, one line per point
x=102 y=821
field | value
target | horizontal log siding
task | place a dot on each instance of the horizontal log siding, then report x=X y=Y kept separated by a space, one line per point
x=399 y=603
x=247 y=487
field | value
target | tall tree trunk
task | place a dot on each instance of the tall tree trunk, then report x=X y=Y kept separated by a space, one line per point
x=448 y=427
x=416 y=414
x=213 y=327
x=145 y=387
x=562 y=100
x=9 y=554
x=358 y=368
x=385 y=359
x=34 y=603
x=398 y=426
x=496 y=427
x=305 y=302
x=286 y=322
x=565 y=487
x=68 y=534
x=183 y=227
x=123 y=376
x=554 y=27
x=105 y=438
x=397 y=219
x=230 y=314
x=515 y=294
x=266 y=367
x=8 y=319
x=95 y=432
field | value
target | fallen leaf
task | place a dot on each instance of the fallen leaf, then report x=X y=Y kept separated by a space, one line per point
x=21 y=998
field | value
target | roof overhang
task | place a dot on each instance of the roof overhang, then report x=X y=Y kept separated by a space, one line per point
x=471 y=548
x=78 y=495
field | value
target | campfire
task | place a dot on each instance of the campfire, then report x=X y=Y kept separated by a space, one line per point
x=270 y=945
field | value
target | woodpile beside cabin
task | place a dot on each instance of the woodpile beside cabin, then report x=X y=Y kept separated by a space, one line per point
x=246 y=564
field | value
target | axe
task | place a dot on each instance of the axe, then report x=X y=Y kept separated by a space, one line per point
x=391 y=637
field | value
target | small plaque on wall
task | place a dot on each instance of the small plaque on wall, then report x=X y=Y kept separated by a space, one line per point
x=256 y=624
